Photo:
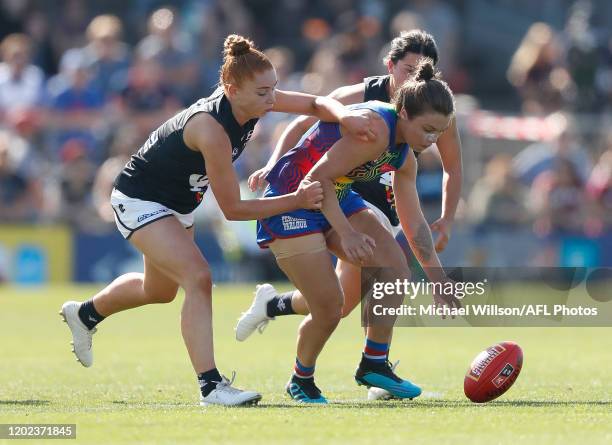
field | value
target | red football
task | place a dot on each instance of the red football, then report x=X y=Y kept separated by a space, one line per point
x=493 y=372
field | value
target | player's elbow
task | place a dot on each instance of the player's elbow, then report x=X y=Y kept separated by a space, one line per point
x=234 y=212
x=320 y=176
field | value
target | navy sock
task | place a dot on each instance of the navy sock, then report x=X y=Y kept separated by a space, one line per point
x=89 y=315
x=208 y=381
x=280 y=305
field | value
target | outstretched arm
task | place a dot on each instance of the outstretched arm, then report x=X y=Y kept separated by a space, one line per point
x=292 y=134
x=449 y=146
x=203 y=133
x=413 y=222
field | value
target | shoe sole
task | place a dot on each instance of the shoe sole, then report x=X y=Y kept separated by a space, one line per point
x=387 y=396
x=63 y=317
x=248 y=403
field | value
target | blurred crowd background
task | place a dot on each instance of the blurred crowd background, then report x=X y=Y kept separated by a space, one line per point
x=82 y=83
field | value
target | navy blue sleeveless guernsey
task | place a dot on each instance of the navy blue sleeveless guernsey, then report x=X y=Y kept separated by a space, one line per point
x=166 y=171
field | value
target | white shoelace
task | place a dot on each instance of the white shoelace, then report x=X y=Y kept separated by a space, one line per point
x=226 y=385
x=262 y=326
x=90 y=333
x=394 y=365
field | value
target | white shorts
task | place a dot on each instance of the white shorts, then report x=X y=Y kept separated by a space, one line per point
x=132 y=214
x=380 y=216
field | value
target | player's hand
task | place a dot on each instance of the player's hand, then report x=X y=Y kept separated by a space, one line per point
x=357 y=246
x=448 y=300
x=257 y=180
x=360 y=124
x=442 y=227
x=309 y=195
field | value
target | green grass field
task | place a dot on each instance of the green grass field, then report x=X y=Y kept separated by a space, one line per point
x=141 y=388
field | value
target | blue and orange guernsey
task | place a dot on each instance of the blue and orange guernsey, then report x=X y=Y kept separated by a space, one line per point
x=288 y=172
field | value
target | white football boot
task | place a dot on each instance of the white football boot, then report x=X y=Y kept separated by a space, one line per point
x=375 y=393
x=257 y=316
x=81 y=336
x=225 y=394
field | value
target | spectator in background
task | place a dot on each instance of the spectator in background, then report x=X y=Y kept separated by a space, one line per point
x=440 y=19
x=144 y=98
x=284 y=61
x=496 y=200
x=76 y=106
x=75 y=181
x=542 y=156
x=72 y=20
x=558 y=200
x=582 y=57
x=106 y=54
x=603 y=76
x=122 y=147
x=38 y=28
x=599 y=191
x=497 y=212
x=172 y=50
x=12 y=15
x=20 y=82
x=537 y=71
x=20 y=193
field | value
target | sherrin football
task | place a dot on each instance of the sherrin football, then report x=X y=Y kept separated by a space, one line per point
x=493 y=372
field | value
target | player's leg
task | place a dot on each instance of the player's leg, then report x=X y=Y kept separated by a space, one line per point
x=293 y=302
x=125 y=292
x=374 y=368
x=172 y=250
x=307 y=263
x=137 y=289
x=268 y=303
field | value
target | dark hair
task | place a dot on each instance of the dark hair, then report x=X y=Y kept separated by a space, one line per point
x=241 y=60
x=424 y=92
x=416 y=41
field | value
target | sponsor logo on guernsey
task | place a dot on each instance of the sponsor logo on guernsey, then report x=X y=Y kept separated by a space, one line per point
x=149 y=215
x=291 y=223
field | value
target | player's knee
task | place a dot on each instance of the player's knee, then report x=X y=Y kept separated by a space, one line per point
x=329 y=315
x=200 y=280
x=346 y=311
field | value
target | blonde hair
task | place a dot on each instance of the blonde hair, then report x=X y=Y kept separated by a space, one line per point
x=105 y=25
x=13 y=41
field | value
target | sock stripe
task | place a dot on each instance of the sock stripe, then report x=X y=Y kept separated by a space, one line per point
x=377 y=346
x=376 y=351
x=303 y=371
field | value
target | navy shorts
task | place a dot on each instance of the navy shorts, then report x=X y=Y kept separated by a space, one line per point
x=302 y=222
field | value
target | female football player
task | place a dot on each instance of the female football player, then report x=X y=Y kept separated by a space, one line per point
x=404 y=54
x=301 y=240
x=158 y=190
